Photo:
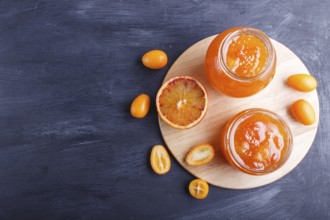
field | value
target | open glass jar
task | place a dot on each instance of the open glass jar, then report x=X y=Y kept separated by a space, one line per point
x=240 y=62
x=256 y=141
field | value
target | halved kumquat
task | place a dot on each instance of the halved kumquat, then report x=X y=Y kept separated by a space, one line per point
x=160 y=160
x=200 y=154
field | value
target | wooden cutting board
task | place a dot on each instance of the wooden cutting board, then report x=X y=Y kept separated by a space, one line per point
x=277 y=97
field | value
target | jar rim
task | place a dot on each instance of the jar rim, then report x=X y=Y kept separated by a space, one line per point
x=251 y=31
x=230 y=137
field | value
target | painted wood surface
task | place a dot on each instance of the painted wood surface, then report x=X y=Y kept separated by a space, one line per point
x=69 y=70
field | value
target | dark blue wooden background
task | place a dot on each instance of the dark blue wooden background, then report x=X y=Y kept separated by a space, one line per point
x=69 y=70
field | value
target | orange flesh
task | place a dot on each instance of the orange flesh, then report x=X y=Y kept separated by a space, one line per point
x=246 y=55
x=182 y=101
x=260 y=141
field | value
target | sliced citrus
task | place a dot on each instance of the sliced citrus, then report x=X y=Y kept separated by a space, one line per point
x=200 y=154
x=160 y=160
x=198 y=188
x=182 y=102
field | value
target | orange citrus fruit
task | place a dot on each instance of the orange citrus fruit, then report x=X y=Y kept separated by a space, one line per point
x=182 y=102
x=303 y=111
x=154 y=59
x=160 y=160
x=198 y=188
x=140 y=106
x=302 y=82
x=200 y=154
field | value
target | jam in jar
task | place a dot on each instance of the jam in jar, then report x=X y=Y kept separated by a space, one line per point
x=240 y=62
x=256 y=141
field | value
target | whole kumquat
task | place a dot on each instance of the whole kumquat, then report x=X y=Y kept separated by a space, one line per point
x=303 y=111
x=140 y=106
x=154 y=59
x=302 y=82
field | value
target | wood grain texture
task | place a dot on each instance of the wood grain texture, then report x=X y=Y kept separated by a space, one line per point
x=69 y=70
x=277 y=97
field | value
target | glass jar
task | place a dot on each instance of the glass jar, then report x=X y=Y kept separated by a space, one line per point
x=240 y=62
x=256 y=141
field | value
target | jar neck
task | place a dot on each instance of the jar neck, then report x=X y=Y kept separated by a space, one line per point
x=223 y=49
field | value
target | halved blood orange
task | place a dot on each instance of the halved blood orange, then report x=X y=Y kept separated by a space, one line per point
x=182 y=102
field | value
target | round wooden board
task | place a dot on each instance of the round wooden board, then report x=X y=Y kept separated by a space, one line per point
x=277 y=96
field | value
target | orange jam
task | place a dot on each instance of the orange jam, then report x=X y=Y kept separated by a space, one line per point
x=256 y=141
x=246 y=55
x=240 y=62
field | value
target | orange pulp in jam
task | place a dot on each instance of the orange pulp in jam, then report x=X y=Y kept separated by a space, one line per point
x=259 y=141
x=246 y=55
x=256 y=141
